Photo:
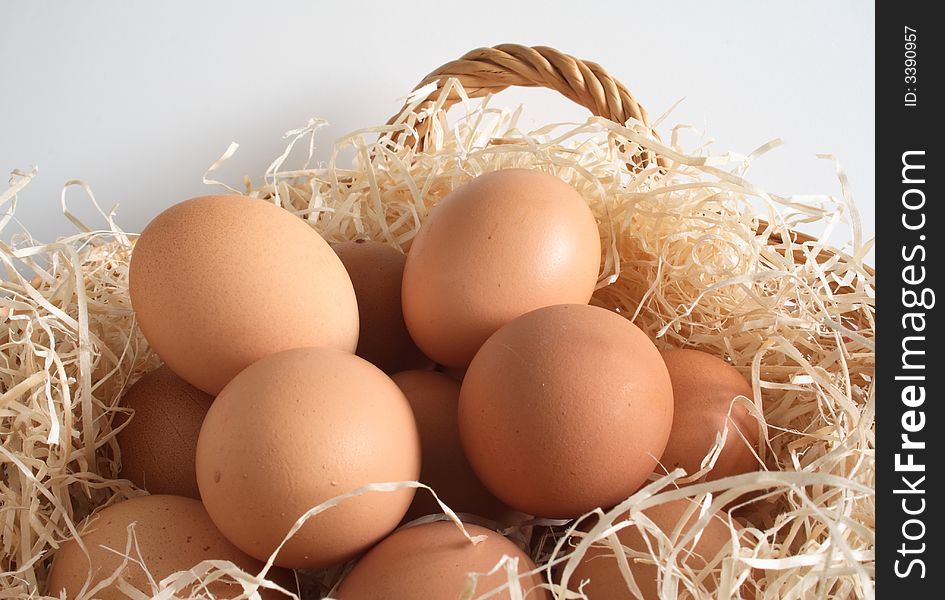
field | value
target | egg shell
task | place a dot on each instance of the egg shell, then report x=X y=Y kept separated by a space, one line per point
x=600 y=566
x=704 y=387
x=298 y=428
x=432 y=561
x=218 y=282
x=172 y=533
x=159 y=443
x=377 y=274
x=503 y=244
x=565 y=409
x=434 y=397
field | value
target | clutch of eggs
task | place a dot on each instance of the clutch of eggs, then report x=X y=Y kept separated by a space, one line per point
x=295 y=371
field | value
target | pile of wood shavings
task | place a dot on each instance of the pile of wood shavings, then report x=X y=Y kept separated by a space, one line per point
x=694 y=253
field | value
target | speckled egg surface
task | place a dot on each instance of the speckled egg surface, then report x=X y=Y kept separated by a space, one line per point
x=218 y=282
x=565 y=409
x=298 y=428
x=503 y=244
x=159 y=443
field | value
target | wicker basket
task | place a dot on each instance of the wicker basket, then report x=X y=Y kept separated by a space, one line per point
x=109 y=354
x=486 y=71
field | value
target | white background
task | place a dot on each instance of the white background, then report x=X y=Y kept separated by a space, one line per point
x=138 y=98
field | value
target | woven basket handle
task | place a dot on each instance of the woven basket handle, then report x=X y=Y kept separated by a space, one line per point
x=489 y=70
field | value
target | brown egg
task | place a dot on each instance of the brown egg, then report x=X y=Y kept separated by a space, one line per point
x=495 y=248
x=565 y=409
x=432 y=561
x=159 y=443
x=298 y=428
x=218 y=282
x=377 y=272
x=172 y=533
x=703 y=389
x=433 y=397
x=600 y=566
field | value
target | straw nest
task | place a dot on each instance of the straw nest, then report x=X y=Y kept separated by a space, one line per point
x=694 y=254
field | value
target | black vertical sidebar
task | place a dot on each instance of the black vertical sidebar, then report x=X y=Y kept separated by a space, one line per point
x=910 y=424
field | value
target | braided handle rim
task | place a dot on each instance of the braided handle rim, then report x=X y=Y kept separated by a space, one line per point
x=486 y=71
